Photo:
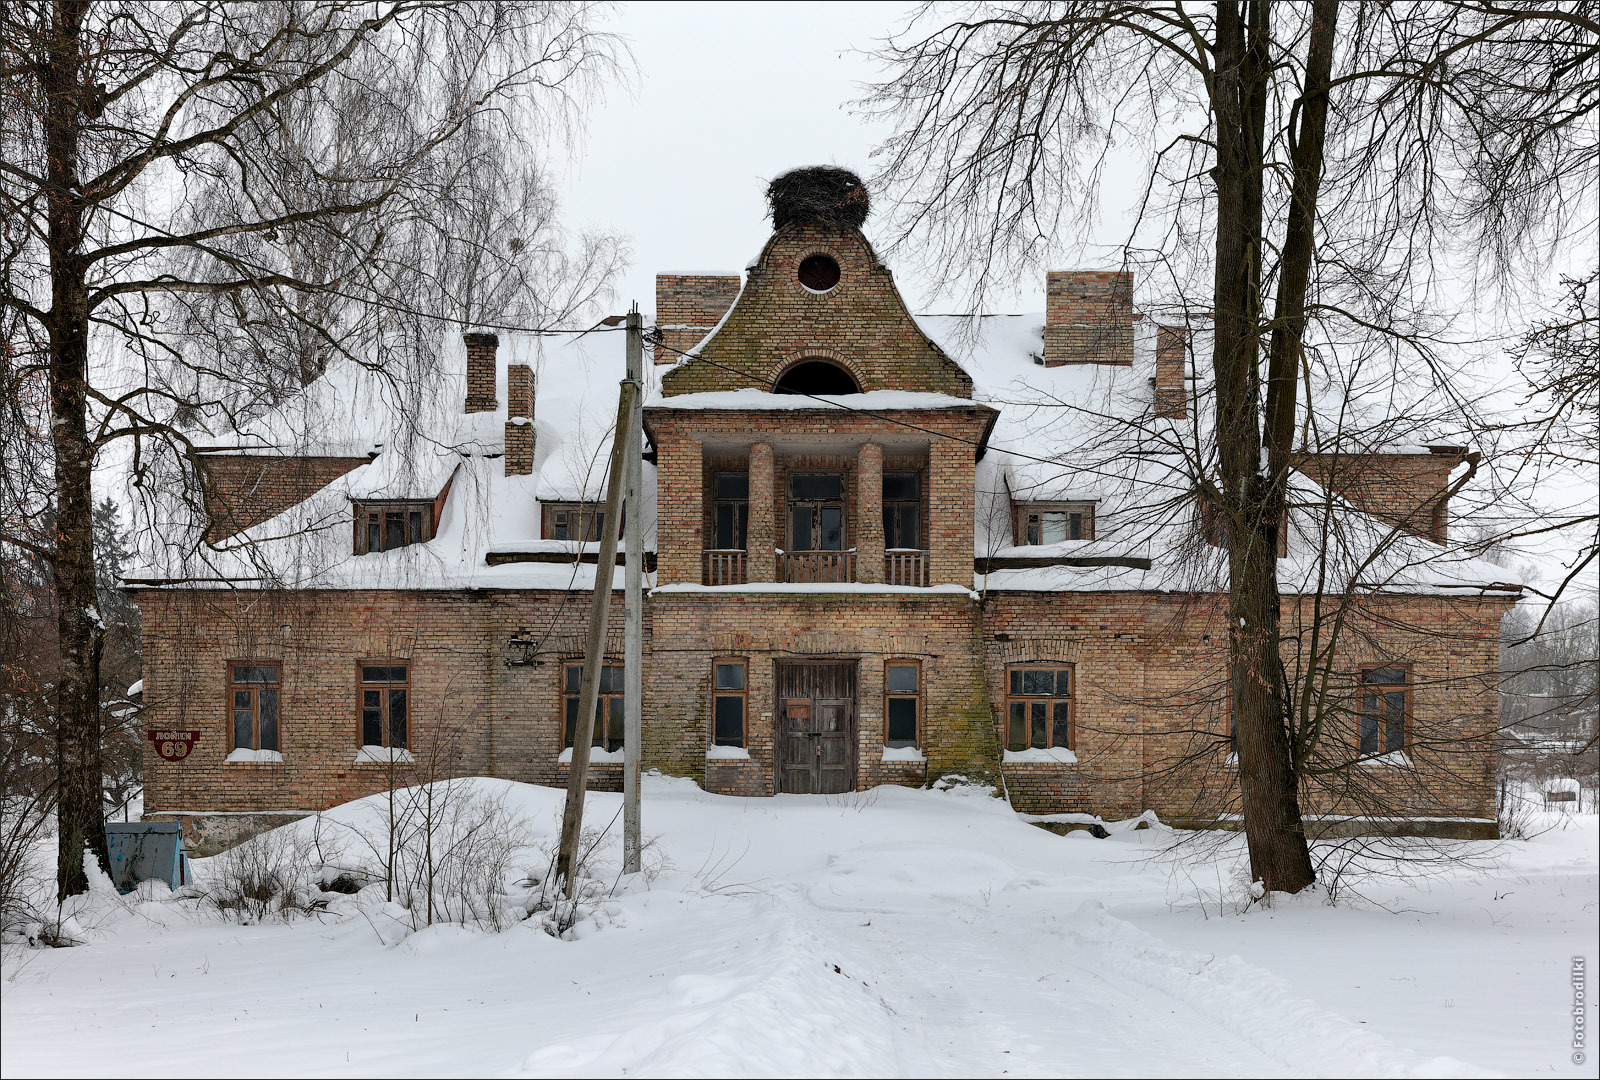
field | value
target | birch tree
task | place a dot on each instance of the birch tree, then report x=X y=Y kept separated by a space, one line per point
x=263 y=166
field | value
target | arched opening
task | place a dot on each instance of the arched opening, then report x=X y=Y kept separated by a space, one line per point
x=816 y=377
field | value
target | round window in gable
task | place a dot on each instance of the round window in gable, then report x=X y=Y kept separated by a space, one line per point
x=819 y=273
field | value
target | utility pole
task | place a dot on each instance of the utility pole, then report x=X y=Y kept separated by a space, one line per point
x=633 y=648
x=594 y=652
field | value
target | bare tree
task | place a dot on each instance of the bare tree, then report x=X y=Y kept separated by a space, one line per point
x=323 y=122
x=1308 y=165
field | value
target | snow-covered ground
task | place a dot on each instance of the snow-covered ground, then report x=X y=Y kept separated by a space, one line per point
x=891 y=932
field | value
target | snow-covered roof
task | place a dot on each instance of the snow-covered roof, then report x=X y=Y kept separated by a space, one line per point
x=1061 y=434
x=871 y=401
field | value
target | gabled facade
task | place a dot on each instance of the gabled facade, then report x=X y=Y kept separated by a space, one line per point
x=872 y=560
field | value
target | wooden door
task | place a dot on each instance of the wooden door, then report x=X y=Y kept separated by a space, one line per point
x=816 y=730
x=835 y=740
x=797 y=750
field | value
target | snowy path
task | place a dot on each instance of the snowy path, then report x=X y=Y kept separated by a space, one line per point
x=906 y=933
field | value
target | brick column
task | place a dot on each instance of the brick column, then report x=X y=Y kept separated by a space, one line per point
x=868 y=539
x=950 y=488
x=679 y=479
x=762 y=534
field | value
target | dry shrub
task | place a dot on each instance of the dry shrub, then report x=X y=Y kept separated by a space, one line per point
x=263 y=878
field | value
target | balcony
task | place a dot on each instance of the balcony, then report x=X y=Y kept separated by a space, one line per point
x=901 y=566
x=816 y=566
x=905 y=566
x=726 y=567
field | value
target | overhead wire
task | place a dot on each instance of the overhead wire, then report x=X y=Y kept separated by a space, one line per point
x=833 y=402
x=390 y=305
x=231 y=258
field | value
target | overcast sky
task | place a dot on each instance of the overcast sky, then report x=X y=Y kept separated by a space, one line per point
x=727 y=96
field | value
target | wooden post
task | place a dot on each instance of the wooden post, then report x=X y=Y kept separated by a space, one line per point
x=633 y=624
x=594 y=652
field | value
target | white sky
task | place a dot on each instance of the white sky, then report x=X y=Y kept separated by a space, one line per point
x=727 y=96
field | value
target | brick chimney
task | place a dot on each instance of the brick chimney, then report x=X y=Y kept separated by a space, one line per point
x=688 y=306
x=1088 y=317
x=519 y=420
x=1406 y=490
x=1172 y=367
x=480 y=371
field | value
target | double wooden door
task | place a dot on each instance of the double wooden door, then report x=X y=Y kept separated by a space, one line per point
x=816 y=728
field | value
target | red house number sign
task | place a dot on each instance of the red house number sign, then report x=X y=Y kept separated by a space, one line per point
x=174 y=745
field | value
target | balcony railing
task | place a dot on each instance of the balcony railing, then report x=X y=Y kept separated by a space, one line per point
x=905 y=566
x=725 y=568
x=814 y=566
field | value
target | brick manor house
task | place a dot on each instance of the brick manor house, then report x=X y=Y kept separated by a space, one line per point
x=881 y=548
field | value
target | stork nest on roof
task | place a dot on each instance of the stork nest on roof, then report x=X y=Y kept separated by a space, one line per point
x=818 y=195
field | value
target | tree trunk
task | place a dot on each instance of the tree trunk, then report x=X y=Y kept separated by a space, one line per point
x=79 y=812
x=1279 y=857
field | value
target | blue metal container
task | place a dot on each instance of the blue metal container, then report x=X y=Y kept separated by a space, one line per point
x=145 y=850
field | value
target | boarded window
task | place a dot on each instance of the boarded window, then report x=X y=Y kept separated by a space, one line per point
x=389 y=525
x=608 y=705
x=1384 y=691
x=253 y=700
x=385 y=705
x=728 y=702
x=1038 y=707
x=902 y=691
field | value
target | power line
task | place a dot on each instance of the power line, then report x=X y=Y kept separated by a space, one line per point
x=832 y=403
x=555 y=332
x=390 y=305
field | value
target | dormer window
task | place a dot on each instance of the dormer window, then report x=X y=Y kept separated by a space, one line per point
x=573 y=521
x=384 y=526
x=1052 y=523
